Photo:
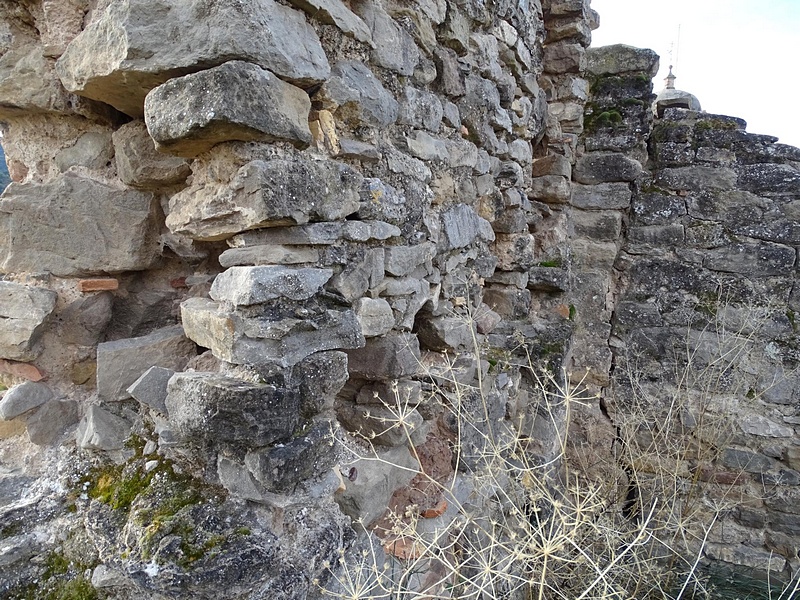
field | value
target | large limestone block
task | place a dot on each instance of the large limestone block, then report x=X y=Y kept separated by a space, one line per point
x=269 y=339
x=619 y=59
x=136 y=45
x=359 y=96
x=244 y=286
x=140 y=165
x=122 y=362
x=234 y=101
x=28 y=82
x=266 y=193
x=23 y=313
x=336 y=13
x=396 y=49
x=222 y=409
x=74 y=226
x=604 y=167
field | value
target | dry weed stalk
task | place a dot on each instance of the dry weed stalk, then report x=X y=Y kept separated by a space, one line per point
x=520 y=526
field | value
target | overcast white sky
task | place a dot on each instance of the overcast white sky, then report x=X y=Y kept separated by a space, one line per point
x=739 y=57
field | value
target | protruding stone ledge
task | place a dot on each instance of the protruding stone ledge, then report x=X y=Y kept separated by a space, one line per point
x=234 y=101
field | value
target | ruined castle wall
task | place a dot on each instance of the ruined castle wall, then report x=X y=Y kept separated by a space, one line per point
x=237 y=231
x=234 y=225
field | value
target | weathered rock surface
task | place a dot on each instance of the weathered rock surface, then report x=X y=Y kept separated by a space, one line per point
x=23 y=398
x=151 y=388
x=140 y=165
x=358 y=96
x=619 y=59
x=234 y=101
x=23 y=312
x=134 y=46
x=266 y=193
x=101 y=429
x=220 y=409
x=336 y=13
x=282 y=468
x=76 y=226
x=367 y=494
x=244 y=286
x=51 y=421
x=122 y=362
x=281 y=339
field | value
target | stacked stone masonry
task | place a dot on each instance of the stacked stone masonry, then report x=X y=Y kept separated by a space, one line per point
x=238 y=232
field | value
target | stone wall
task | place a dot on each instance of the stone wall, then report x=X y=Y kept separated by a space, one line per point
x=224 y=255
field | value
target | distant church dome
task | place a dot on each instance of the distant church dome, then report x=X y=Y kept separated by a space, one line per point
x=672 y=98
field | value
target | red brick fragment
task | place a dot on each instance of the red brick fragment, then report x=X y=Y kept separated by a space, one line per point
x=98 y=285
x=21 y=370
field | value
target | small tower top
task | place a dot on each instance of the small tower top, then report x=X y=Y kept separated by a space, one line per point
x=669 y=80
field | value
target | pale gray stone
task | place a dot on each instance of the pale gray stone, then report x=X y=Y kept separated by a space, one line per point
x=22 y=398
x=697 y=178
x=336 y=13
x=552 y=189
x=361 y=275
x=602 y=167
x=358 y=150
x=210 y=406
x=461 y=153
x=151 y=388
x=234 y=101
x=601 y=196
x=359 y=96
x=317 y=234
x=24 y=311
x=383 y=202
x=375 y=316
x=93 y=150
x=760 y=425
x=395 y=49
x=266 y=193
x=134 y=46
x=73 y=226
x=620 y=59
x=105 y=577
x=261 y=340
x=520 y=151
x=244 y=286
x=122 y=362
x=402 y=164
x=460 y=227
x=102 y=430
x=46 y=426
x=564 y=57
x=426 y=147
x=419 y=109
x=268 y=254
x=445 y=334
x=402 y=260
x=140 y=165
